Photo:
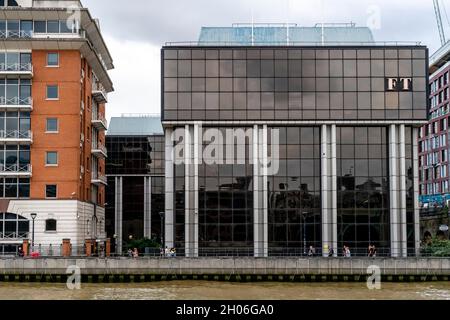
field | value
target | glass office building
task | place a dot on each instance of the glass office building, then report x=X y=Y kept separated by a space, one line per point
x=327 y=134
x=135 y=171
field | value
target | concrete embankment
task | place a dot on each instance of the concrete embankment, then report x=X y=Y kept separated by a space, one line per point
x=226 y=269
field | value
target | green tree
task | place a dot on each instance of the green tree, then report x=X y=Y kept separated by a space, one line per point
x=437 y=248
x=141 y=244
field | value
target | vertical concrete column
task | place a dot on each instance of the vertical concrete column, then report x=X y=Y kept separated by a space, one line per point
x=256 y=205
x=147 y=207
x=325 y=190
x=402 y=191
x=169 y=240
x=191 y=207
x=118 y=213
x=187 y=191
x=198 y=133
x=265 y=193
x=394 y=188
x=415 y=150
x=334 y=220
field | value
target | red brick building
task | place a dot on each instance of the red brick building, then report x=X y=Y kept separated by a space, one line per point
x=54 y=82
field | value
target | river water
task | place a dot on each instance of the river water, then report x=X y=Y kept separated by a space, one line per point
x=204 y=290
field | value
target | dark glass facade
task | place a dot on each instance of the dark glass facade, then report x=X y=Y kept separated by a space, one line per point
x=363 y=188
x=226 y=202
x=132 y=159
x=294 y=192
x=128 y=155
x=341 y=114
x=293 y=83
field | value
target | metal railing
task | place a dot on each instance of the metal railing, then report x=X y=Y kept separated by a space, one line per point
x=16 y=134
x=99 y=177
x=80 y=251
x=13 y=235
x=100 y=147
x=249 y=43
x=98 y=87
x=16 y=67
x=16 y=34
x=99 y=118
x=15 y=168
x=16 y=101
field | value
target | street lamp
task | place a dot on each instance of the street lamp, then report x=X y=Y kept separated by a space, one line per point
x=115 y=242
x=33 y=217
x=162 y=229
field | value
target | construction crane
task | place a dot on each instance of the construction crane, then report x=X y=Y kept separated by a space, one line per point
x=437 y=11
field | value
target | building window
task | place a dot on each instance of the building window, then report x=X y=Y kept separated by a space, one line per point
x=52 y=125
x=51 y=158
x=51 y=191
x=52 y=92
x=52 y=26
x=50 y=225
x=52 y=59
x=13 y=226
x=40 y=27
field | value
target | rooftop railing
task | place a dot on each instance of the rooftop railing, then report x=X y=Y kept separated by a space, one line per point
x=249 y=43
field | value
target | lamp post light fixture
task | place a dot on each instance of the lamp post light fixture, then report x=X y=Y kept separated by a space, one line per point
x=33 y=217
x=115 y=243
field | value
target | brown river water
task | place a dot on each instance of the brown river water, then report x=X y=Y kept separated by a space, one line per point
x=203 y=290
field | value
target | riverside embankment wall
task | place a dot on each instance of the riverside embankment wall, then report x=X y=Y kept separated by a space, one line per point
x=227 y=268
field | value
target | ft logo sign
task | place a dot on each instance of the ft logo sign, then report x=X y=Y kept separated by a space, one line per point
x=398 y=84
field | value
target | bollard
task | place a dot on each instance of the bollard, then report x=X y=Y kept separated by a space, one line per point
x=26 y=247
x=66 y=248
x=88 y=248
x=108 y=248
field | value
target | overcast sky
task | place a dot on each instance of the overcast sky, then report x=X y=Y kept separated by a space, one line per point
x=135 y=30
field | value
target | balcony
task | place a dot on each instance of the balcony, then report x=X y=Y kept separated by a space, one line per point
x=99 y=179
x=13 y=236
x=16 y=34
x=99 y=151
x=16 y=137
x=15 y=170
x=99 y=123
x=16 y=104
x=99 y=93
x=22 y=69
